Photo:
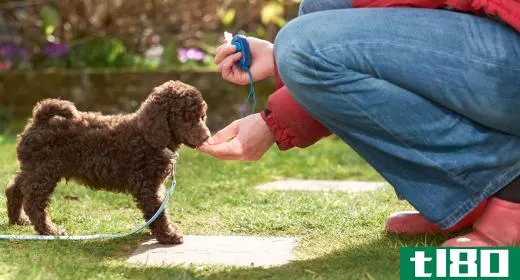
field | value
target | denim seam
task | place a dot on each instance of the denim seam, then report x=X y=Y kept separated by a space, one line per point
x=388 y=43
x=486 y=191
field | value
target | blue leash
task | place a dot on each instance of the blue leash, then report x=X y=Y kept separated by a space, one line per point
x=251 y=94
x=174 y=160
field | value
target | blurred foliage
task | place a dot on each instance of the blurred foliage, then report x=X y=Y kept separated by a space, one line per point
x=102 y=53
x=50 y=20
x=134 y=34
x=4 y=119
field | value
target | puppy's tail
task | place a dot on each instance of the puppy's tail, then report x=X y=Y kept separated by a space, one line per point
x=49 y=108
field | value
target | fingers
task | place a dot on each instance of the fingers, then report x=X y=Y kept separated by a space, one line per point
x=251 y=140
x=224 y=51
x=227 y=150
x=219 y=147
x=225 y=134
x=229 y=61
x=231 y=72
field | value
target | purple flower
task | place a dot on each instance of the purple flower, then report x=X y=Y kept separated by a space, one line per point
x=190 y=54
x=195 y=54
x=8 y=49
x=11 y=50
x=182 y=55
x=56 y=50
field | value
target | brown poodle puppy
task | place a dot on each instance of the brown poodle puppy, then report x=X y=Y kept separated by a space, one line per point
x=123 y=153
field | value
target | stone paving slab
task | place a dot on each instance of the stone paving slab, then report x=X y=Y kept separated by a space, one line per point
x=213 y=250
x=321 y=185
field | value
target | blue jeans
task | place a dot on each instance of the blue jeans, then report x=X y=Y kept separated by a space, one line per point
x=429 y=98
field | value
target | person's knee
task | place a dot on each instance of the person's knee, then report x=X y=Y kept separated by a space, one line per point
x=286 y=51
x=311 y=6
x=296 y=47
x=295 y=58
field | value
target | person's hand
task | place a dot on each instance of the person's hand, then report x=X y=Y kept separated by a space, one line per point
x=250 y=139
x=262 y=65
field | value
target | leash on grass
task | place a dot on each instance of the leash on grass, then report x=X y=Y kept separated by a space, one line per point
x=174 y=160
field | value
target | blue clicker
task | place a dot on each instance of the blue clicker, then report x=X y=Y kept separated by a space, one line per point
x=240 y=42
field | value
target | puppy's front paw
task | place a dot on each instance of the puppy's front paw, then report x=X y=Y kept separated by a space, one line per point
x=170 y=238
x=62 y=232
x=55 y=231
x=22 y=221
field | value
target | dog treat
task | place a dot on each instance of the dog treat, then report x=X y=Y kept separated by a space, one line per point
x=228 y=37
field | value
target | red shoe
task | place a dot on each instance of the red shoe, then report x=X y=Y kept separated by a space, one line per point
x=413 y=222
x=499 y=225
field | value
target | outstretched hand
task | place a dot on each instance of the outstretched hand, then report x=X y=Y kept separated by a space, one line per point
x=247 y=139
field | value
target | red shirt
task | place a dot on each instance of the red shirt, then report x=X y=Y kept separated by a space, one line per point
x=507 y=10
x=292 y=126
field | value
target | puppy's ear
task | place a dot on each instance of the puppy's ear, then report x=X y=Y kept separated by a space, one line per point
x=152 y=119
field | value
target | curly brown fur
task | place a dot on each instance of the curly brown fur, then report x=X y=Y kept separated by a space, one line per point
x=122 y=153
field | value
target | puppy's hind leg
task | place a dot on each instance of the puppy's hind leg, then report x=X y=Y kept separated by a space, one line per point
x=149 y=200
x=14 y=196
x=37 y=190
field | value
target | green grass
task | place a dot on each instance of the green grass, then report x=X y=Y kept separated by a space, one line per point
x=341 y=234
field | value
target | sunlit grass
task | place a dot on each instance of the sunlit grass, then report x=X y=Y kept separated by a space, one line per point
x=341 y=234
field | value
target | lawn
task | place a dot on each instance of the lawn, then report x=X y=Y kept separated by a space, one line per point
x=341 y=234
